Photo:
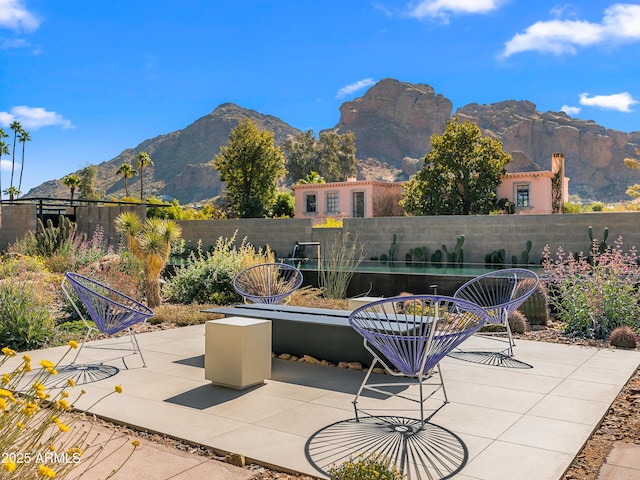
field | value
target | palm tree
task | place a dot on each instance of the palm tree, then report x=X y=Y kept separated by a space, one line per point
x=151 y=242
x=127 y=172
x=142 y=160
x=23 y=138
x=16 y=127
x=12 y=192
x=71 y=181
x=4 y=150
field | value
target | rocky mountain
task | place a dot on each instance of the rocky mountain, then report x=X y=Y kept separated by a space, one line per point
x=393 y=122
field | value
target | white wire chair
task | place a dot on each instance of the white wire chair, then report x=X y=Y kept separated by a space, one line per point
x=500 y=292
x=267 y=282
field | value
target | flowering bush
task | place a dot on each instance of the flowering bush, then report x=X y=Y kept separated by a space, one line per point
x=594 y=294
x=373 y=467
x=38 y=439
x=208 y=277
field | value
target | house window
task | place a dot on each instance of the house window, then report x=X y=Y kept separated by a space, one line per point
x=357 y=204
x=522 y=195
x=310 y=203
x=333 y=202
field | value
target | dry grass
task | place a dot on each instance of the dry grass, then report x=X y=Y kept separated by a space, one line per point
x=181 y=315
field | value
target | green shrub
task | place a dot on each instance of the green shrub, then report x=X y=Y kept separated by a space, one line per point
x=26 y=321
x=208 y=277
x=373 y=467
x=594 y=294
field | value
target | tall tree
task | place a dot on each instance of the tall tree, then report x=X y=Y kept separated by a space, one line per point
x=4 y=150
x=12 y=192
x=16 y=127
x=71 y=181
x=333 y=156
x=23 y=138
x=142 y=160
x=250 y=164
x=460 y=174
x=127 y=172
x=87 y=188
x=338 y=156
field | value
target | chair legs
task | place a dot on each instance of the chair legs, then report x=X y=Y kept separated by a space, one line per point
x=421 y=380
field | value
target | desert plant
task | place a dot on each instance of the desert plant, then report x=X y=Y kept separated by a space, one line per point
x=623 y=337
x=208 y=277
x=338 y=264
x=26 y=321
x=456 y=256
x=517 y=322
x=151 y=242
x=372 y=467
x=593 y=294
x=536 y=307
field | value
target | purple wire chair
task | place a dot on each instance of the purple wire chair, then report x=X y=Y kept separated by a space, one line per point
x=500 y=292
x=267 y=282
x=409 y=335
x=110 y=310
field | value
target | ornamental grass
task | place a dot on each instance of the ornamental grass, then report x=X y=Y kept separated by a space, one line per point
x=39 y=437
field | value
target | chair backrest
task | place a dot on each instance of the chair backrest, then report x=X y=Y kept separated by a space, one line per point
x=110 y=310
x=267 y=282
x=415 y=332
x=501 y=291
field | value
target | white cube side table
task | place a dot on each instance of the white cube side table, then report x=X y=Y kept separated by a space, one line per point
x=356 y=302
x=237 y=351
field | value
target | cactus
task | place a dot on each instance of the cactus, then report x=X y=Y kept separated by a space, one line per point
x=536 y=307
x=416 y=255
x=455 y=257
x=49 y=239
x=436 y=258
x=391 y=258
x=525 y=253
x=495 y=258
x=602 y=245
x=623 y=337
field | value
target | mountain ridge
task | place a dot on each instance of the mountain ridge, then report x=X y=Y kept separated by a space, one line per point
x=393 y=123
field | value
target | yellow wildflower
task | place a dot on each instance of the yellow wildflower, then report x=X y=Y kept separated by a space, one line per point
x=7 y=393
x=52 y=371
x=46 y=471
x=3 y=405
x=71 y=382
x=9 y=465
x=47 y=364
x=62 y=404
x=30 y=408
x=64 y=394
x=6 y=378
x=26 y=358
x=74 y=451
x=135 y=443
x=119 y=388
x=52 y=448
x=20 y=425
x=8 y=352
x=73 y=344
x=62 y=427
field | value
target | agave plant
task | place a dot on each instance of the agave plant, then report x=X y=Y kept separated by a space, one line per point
x=151 y=242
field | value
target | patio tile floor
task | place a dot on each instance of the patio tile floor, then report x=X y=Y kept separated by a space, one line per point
x=501 y=423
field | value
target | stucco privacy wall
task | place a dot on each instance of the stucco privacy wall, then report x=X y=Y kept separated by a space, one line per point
x=483 y=234
x=15 y=222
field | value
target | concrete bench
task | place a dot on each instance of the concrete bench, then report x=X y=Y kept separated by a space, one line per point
x=324 y=334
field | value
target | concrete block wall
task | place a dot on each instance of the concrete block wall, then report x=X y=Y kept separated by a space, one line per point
x=15 y=222
x=484 y=234
x=89 y=217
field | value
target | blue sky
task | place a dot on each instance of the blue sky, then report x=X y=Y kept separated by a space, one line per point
x=89 y=79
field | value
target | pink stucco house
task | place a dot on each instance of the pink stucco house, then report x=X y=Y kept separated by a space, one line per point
x=526 y=185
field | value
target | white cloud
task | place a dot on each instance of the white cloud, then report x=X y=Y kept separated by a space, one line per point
x=33 y=118
x=354 y=87
x=618 y=101
x=442 y=9
x=5 y=165
x=569 y=110
x=15 y=16
x=620 y=23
